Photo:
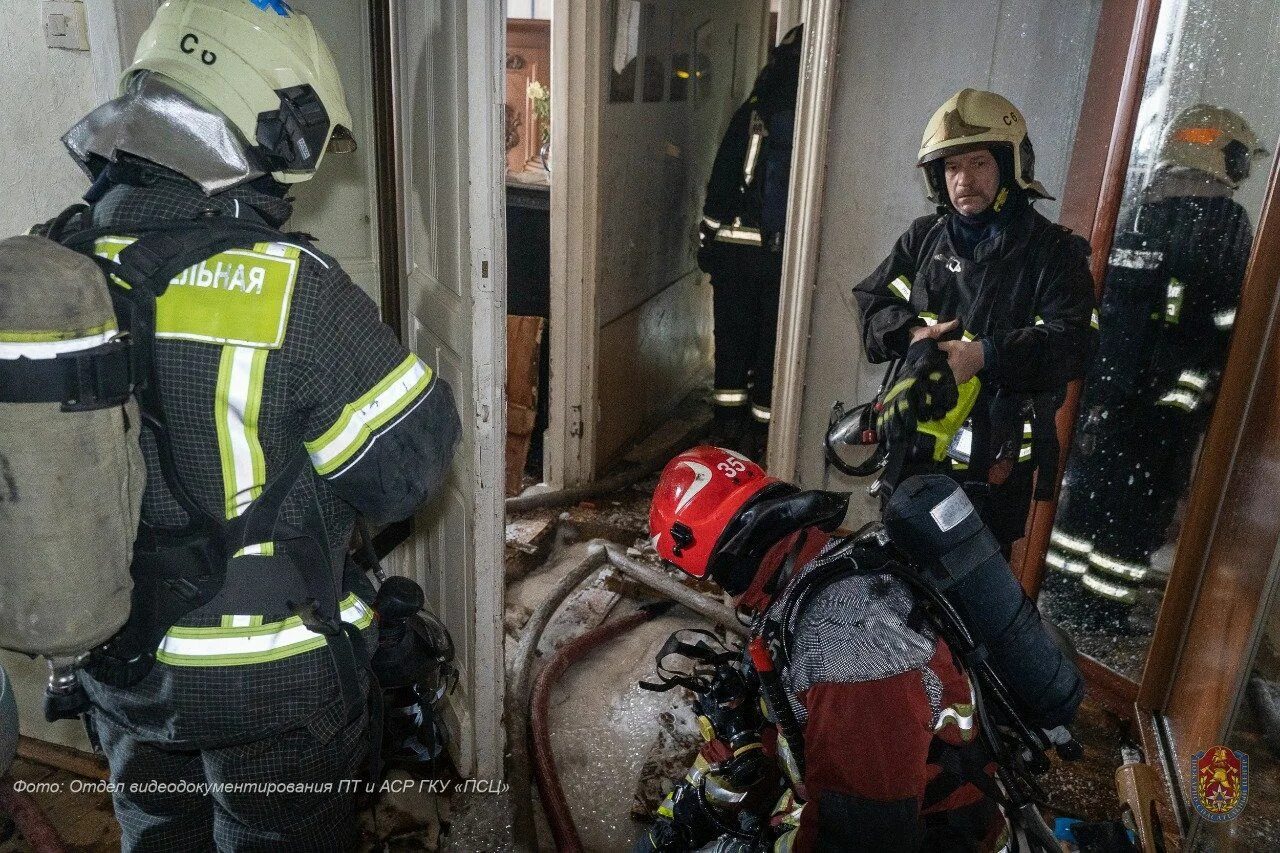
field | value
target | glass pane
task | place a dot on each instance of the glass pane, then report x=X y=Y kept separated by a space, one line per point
x=1196 y=180
x=655 y=64
x=626 y=46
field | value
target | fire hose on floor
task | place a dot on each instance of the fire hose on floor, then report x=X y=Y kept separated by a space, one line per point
x=554 y=802
x=599 y=554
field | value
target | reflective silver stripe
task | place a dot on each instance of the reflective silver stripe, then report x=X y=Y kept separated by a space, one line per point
x=1184 y=400
x=760 y=413
x=729 y=398
x=1120 y=568
x=902 y=287
x=952 y=714
x=1193 y=380
x=1094 y=321
x=1039 y=320
x=753 y=154
x=1070 y=543
x=740 y=234
x=713 y=224
x=1061 y=562
x=39 y=350
x=1110 y=590
x=1026 y=429
x=239 y=644
x=1024 y=454
x=1136 y=259
x=1225 y=319
x=929 y=319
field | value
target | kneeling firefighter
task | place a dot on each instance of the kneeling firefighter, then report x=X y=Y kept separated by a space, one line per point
x=252 y=381
x=890 y=664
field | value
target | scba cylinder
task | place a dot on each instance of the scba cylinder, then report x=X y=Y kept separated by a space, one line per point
x=70 y=480
x=933 y=521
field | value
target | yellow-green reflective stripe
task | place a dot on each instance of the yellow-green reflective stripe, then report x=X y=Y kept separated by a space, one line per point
x=967 y=336
x=262 y=549
x=901 y=286
x=1094 y=321
x=359 y=420
x=1113 y=591
x=1121 y=568
x=34 y=337
x=237 y=404
x=930 y=319
x=901 y=386
x=241 y=644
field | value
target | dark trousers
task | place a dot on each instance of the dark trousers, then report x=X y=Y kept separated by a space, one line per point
x=745 y=287
x=1121 y=490
x=171 y=799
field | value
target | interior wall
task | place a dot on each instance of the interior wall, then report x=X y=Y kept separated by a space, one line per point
x=42 y=93
x=338 y=206
x=897 y=62
x=655 y=157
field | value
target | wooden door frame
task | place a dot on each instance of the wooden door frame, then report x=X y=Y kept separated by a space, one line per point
x=486 y=208
x=804 y=215
x=577 y=47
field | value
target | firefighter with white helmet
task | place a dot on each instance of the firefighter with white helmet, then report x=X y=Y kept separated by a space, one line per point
x=278 y=402
x=1168 y=309
x=986 y=286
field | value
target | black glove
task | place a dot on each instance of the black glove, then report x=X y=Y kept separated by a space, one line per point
x=925 y=391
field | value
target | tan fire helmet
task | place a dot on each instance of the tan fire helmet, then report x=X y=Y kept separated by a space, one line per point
x=1213 y=140
x=261 y=64
x=973 y=119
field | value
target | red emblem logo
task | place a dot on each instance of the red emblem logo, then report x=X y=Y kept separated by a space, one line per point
x=1219 y=783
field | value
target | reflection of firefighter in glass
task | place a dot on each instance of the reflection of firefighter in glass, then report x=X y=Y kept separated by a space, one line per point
x=740 y=239
x=1168 y=307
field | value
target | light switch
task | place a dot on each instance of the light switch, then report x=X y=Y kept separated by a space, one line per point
x=64 y=25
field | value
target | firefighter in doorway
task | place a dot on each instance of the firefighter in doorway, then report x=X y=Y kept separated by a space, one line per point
x=740 y=246
x=1173 y=282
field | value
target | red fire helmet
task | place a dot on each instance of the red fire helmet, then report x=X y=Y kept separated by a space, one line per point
x=699 y=493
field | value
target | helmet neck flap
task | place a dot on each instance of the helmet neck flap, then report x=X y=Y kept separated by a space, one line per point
x=772 y=515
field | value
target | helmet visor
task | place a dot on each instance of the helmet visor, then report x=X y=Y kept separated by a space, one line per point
x=341 y=141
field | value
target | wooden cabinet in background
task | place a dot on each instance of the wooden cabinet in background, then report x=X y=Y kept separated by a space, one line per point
x=528 y=59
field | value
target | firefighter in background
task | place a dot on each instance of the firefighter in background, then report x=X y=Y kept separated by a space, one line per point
x=1173 y=283
x=740 y=245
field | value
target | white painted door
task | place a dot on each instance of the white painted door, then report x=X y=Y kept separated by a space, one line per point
x=645 y=97
x=448 y=68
